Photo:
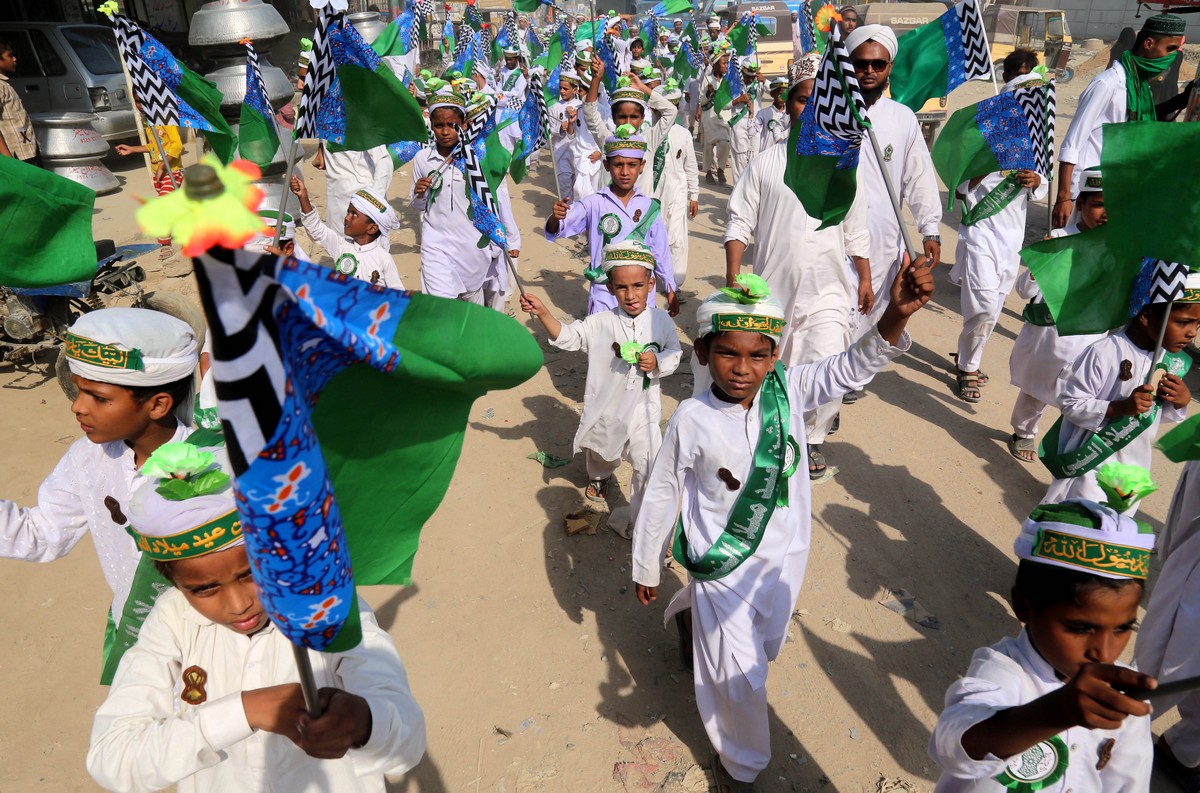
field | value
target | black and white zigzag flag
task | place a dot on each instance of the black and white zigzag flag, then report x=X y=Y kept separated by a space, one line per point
x=511 y=33
x=839 y=105
x=977 y=60
x=752 y=36
x=463 y=40
x=1168 y=281
x=422 y=13
x=255 y=71
x=158 y=103
x=321 y=73
x=539 y=97
x=1037 y=101
x=478 y=121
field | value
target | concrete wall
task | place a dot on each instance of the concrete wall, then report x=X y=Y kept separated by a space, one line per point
x=1103 y=19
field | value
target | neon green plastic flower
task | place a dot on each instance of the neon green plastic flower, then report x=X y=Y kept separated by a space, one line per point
x=750 y=289
x=1124 y=485
x=630 y=351
x=184 y=471
x=108 y=9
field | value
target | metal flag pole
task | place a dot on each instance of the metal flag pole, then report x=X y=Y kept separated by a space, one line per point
x=308 y=683
x=162 y=153
x=290 y=161
x=891 y=189
x=1151 y=379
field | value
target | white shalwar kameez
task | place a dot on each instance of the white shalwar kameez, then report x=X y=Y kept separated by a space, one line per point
x=740 y=621
x=906 y=158
x=372 y=262
x=1084 y=390
x=743 y=134
x=452 y=263
x=805 y=268
x=1102 y=102
x=714 y=126
x=773 y=125
x=986 y=264
x=1166 y=641
x=654 y=134
x=145 y=737
x=71 y=504
x=1038 y=357
x=1011 y=673
x=510 y=83
x=679 y=185
x=620 y=419
x=346 y=172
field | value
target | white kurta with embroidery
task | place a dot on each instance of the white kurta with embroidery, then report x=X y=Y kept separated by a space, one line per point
x=906 y=158
x=145 y=737
x=510 y=83
x=452 y=263
x=653 y=134
x=1085 y=389
x=773 y=125
x=739 y=622
x=615 y=406
x=71 y=503
x=679 y=184
x=1166 y=641
x=372 y=262
x=1011 y=673
x=1102 y=102
x=1039 y=354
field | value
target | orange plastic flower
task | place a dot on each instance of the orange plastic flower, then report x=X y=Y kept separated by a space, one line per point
x=825 y=18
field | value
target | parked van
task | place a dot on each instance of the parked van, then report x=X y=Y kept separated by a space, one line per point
x=68 y=68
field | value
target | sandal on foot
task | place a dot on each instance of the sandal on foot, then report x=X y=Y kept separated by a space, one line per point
x=597 y=490
x=837 y=423
x=968 y=386
x=708 y=178
x=816 y=462
x=721 y=176
x=683 y=622
x=1024 y=449
x=850 y=397
x=982 y=375
x=726 y=783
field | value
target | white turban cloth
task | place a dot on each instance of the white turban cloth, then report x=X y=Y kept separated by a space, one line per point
x=374 y=205
x=881 y=34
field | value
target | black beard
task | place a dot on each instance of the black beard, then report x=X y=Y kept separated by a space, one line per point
x=872 y=96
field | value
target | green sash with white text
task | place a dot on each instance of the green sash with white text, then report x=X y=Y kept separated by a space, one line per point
x=995 y=201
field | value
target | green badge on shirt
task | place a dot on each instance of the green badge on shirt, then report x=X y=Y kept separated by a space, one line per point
x=1036 y=768
x=346 y=264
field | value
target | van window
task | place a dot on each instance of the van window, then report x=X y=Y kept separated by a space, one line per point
x=52 y=65
x=96 y=48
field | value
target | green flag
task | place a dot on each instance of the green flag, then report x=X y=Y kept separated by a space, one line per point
x=1085 y=278
x=526 y=6
x=1182 y=443
x=1140 y=156
x=937 y=57
x=825 y=191
x=379 y=109
x=739 y=37
x=46 y=225
x=682 y=69
x=205 y=99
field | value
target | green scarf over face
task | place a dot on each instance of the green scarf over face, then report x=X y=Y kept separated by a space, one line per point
x=1139 y=100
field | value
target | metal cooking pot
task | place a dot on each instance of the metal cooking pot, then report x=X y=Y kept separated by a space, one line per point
x=230 y=77
x=67 y=135
x=369 y=24
x=221 y=25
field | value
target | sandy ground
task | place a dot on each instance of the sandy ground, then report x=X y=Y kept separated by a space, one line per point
x=536 y=667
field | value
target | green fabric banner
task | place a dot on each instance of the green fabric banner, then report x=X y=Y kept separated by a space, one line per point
x=46 y=225
x=921 y=69
x=379 y=109
x=825 y=191
x=257 y=139
x=1182 y=443
x=205 y=99
x=960 y=153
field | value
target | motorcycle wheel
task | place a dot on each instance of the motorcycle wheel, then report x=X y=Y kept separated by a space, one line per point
x=179 y=307
x=1065 y=75
x=62 y=372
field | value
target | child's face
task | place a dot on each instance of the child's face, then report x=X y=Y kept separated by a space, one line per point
x=445 y=122
x=1091 y=210
x=738 y=361
x=624 y=171
x=220 y=587
x=1093 y=629
x=108 y=412
x=566 y=91
x=8 y=62
x=636 y=48
x=357 y=224
x=1182 y=325
x=631 y=285
x=628 y=113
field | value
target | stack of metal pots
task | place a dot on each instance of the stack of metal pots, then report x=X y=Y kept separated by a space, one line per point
x=218 y=29
x=71 y=147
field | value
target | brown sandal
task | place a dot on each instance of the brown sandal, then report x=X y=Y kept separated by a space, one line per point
x=968 y=386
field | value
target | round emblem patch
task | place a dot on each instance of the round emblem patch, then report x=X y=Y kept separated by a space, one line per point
x=610 y=225
x=435 y=180
x=1036 y=768
x=346 y=264
x=791 y=452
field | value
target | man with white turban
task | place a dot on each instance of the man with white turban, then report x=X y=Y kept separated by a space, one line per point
x=905 y=156
x=142 y=364
x=362 y=249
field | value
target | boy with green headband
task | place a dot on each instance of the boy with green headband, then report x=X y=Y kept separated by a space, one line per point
x=723 y=483
x=1051 y=708
x=209 y=699
x=1119 y=93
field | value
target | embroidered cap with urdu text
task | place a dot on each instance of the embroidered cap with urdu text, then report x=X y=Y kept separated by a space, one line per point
x=748 y=307
x=619 y=254
x=624 y=142
x=627 y=93
x=1096 y=538
x=187 y=508
x=1091 y=181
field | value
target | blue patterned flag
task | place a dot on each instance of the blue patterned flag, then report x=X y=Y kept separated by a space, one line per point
x=344 y=407
x=533 y=120
x=939 y=56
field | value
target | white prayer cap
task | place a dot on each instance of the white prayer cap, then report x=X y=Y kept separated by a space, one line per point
x=374 y=205
x=626 y=252
x=569 y=76
x=805 y=69
x=881 y=34
x=779 y=82
x=186 y=508
x=132 y=347
x=512 y=52
x=714 y=23
x=748 y=308
x=271 y=217
x=1090 y=181
x=1087 y=537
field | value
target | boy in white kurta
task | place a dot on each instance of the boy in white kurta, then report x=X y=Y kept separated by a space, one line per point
x=742 y=528
x=677 y=186
x=743 y=125
x=453 y=264
x=209 y=697
x=1044 y=710
x=1039 y=354
x=1166 y=643
x=773 y=120
x=1110 y=407
x=135 y=370
x=622 y=401
x=362 y=249
x=987 y=257
x=714 y=124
